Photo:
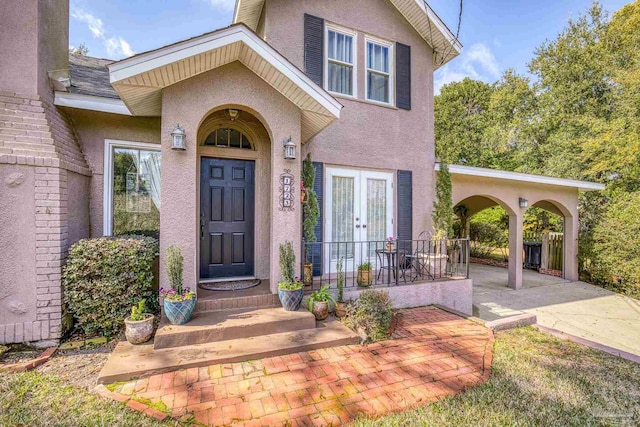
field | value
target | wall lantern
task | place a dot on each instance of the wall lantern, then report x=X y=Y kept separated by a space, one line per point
x=524 y=203
x=289 y=149
x=178 y=136
x=233 y=114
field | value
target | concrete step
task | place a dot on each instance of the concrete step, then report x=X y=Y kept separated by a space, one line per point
x=249 y=301
x=205 y=327
x=135 y=361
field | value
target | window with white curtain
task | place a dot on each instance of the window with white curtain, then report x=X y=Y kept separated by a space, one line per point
x=132 y=188
x=379 y=77
x=340 y=61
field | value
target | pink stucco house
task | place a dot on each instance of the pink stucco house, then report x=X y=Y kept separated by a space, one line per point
x=86 y=147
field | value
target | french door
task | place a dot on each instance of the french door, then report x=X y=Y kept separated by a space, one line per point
x=359 y=215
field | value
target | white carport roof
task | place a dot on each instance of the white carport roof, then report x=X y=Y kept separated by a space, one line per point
x=139 y=80
x=523 y=177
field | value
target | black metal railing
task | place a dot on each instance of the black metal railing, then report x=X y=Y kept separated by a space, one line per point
x=384 y=263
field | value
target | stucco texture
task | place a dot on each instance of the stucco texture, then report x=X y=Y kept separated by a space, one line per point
x=93 y=128
x=189 y=103
x=17 y=245
x=369 y=135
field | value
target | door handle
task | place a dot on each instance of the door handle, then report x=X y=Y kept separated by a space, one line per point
x=364 y=225
x=201 y=229
x=357 y=225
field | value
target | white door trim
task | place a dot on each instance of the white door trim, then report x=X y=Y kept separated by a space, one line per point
x=360 y=177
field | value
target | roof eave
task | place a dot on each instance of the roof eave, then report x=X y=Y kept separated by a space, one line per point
x=522 y=177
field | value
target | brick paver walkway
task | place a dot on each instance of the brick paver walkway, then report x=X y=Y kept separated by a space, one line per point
x=432 y=354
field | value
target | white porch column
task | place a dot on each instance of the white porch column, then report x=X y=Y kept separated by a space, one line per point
x=515 y=250
x=570 y=243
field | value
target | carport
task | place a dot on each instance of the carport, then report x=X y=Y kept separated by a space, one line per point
x=479 y=188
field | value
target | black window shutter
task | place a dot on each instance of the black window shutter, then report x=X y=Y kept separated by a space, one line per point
x=318 y=187
x=405 y=205
x=403 y=76
x=313 y=48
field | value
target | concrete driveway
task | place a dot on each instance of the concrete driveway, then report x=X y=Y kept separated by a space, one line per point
x=575 y=308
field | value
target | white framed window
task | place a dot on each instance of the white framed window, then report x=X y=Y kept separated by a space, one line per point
x=379 y=66
x=131 y=200
x=340 y=60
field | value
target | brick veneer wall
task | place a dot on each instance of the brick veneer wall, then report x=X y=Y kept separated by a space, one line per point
x=34 y=132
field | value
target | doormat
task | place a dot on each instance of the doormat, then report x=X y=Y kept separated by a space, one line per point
x=234 y=285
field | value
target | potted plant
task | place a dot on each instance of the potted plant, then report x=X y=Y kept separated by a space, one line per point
x=290 y=289
x=139 y=326
x=365 y=274
x=341 y=306
x=319 y=302
x=179 y=302
x=310 y=215
x=390 y=245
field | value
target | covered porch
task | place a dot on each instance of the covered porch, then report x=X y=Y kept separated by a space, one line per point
x=476 y=189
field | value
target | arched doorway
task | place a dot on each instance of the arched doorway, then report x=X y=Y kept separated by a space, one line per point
x=234 y=153
x=487 y=221
x=549 y=224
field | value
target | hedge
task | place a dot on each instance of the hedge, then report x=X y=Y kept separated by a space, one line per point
x=104 y=277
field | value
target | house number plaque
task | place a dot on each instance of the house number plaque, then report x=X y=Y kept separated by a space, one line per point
x=286 y=191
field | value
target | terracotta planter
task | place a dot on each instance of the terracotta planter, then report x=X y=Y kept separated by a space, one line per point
x=307 y=277
x=291 y=300
x=391 y=247
x=139 y=331
x=364 y=278
x=341 y=309
x=320 y=309
x=179 y=312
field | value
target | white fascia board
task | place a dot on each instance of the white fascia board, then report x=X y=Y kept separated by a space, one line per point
x=437 y=22
x=91 y=102
x=524 y=177
x=239 y=33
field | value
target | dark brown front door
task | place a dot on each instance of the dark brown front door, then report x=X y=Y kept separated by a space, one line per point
x=227 y=194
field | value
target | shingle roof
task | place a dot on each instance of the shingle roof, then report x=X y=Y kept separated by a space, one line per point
x=90 y=76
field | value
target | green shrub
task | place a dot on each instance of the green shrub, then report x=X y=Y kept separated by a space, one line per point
x=370 y=315
x=175 y=265
x=104 y=277
x=485 y=237
x=616 y=249
x=287 y=262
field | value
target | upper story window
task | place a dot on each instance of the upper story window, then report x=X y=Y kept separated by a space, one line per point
x=340 y=61
x=379 y=79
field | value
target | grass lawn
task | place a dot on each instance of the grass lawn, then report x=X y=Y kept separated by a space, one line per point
x=36 y=399
x=536 y=380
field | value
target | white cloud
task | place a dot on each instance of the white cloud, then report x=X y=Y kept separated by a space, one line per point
x=95 y=24
x=224 y=5
x=478 y=63
x=115 y=46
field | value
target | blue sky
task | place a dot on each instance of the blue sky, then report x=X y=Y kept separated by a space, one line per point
x=496 y=34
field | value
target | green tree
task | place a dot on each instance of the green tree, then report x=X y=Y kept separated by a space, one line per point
x=460 y=122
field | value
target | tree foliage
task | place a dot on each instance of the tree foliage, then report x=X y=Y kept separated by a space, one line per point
x=578 y=118
x=443 y=205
